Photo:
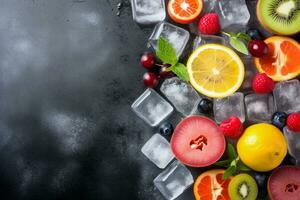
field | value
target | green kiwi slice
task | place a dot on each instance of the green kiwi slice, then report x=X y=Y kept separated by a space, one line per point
x=243 y=187
x=280 y=16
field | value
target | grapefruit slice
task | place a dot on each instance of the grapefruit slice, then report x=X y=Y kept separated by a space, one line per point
x=210 y=186
x=284 y=183
x=184 y=11
x=197 y=141
x=282 y=62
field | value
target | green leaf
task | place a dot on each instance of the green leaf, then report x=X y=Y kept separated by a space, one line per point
x=234 y=162
x=166 y=52
x=231 y=152
x=243 y=167
x=223 y=163
x=180 y=70
x=228 y=172
x=244 y=36
x=238 y=45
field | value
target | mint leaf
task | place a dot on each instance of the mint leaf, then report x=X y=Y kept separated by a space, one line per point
x=180 y=70
x=223 y=163
x=234 y=162
x=244 y=36
x=238 y=45
x=166 y=52
x=228 y=172
x=243 y=167
x=231 y=152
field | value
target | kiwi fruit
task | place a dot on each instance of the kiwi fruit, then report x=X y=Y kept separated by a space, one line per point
x=279 y=16
x=243 y=187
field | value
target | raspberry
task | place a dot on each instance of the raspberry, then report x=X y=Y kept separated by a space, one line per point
x=209 y=24
x=262 y=84
x=293 y=122
x=232 y=127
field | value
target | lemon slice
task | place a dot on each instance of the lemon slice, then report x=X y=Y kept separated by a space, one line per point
x=215 y=70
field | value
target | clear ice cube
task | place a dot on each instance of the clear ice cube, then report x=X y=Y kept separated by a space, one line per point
x=229 y=106
x=208 y=39
x=148 y=12
x=250 y=71
x=259 y=107
x=174 y=180
x=232 y=12
x=209 y=6
x=182 y=95
x=287 y=96
x=293 y=140
x=151 y=107
x=177 y=36
x=157 y=149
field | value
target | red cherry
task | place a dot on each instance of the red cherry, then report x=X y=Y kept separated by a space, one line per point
x=148 y=60
x=258 y=48
x=163 y=73
x=150 y=79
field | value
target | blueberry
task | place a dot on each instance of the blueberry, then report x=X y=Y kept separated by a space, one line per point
x=261 y=180
x=254 y=34
x=279 y=119
x=166 y=129
x=205 y=106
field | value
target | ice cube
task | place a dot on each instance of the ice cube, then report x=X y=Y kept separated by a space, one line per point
x=158 y=150
x=177 y=36
x=250 y=71
x=209 y=6
x=208 y=39
x=287 y=96
x=229 y=106
x=151 y=107
x=293 y=140
x=259 y=107
x=148 y=12
x=182 y=95
x=232 y=12
x=174 y=180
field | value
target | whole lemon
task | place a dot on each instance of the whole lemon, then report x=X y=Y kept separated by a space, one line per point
x=262 y=147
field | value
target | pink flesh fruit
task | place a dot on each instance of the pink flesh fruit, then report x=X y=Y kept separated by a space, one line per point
x=197 y=141
x=284 y=183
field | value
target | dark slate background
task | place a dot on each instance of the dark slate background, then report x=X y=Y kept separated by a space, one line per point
x=69 y=72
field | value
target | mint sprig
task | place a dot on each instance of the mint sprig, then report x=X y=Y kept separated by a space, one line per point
x=238 y=40
x=167 y=54
x=233 y=163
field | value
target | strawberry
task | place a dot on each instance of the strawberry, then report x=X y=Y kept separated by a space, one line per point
x=262 y=84
x=293 y=122
x=209 y=24
x=232 y=127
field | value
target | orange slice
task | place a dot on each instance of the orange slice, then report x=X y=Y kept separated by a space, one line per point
x=210 y=186
x=184 y=11
x=282 y=62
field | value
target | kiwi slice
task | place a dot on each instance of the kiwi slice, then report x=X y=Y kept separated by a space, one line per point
x=279 y=16
x=243 y=187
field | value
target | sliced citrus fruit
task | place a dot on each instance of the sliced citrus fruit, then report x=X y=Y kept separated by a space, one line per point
x=210 y=186
x=282 y=62
x=215 y=70
x=197 y=141
x=184 y=11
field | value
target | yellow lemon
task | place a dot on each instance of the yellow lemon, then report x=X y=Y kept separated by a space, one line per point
x=262 y=147
x=215 y=70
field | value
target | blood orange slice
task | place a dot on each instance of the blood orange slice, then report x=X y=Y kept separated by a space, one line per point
x=282 y=62
x=210 y=186
x=184 y=11
x=197 y=141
